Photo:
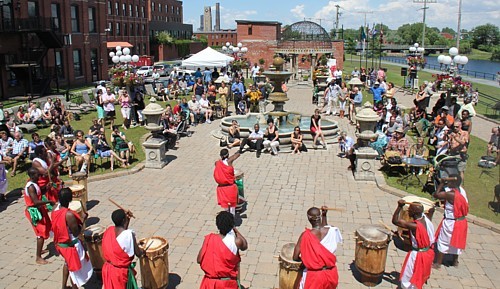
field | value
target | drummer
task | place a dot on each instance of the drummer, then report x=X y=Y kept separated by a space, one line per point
x=219 y=256
x=316 y=248
x=67 y=226
x=451 y=235
x=119 y=246
x=418 y=262
x=227 y=191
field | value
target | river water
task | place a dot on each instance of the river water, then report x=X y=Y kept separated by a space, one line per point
x=484 y=66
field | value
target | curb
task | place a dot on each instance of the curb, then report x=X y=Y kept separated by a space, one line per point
x=381 y=184
x=488 y=119
x=139 y=167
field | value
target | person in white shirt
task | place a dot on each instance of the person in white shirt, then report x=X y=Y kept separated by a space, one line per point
x=254 y=141
x=355 y=72
x=48 y=106
x=35 y=114
x=108 y=101
x=194 y=109
x=332 y=97
x=255 y=70
x=338 y=76
x=205 y=108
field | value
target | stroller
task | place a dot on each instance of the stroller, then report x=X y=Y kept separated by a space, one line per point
x=444 y=166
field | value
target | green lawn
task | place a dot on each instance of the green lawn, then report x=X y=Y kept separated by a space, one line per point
x=394 y=75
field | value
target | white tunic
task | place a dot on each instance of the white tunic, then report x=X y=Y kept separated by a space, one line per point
x=330 y=241
x=230 y=242
x=408 y=270
x=126 y=242
x=444 y=238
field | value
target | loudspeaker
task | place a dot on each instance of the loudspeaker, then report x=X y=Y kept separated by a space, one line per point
x=413 y=73
x=404 y=71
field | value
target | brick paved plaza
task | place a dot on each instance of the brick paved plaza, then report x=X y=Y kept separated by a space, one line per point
x=178 y=203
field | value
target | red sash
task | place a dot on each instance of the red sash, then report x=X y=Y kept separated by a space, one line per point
x=61 y=235
x=423 y=261
x=44 y=226
x=115 y=270
x=227 y=191
x=219 y=264
x=320 y=263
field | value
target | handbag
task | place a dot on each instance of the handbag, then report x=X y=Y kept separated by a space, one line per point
x=223 y=142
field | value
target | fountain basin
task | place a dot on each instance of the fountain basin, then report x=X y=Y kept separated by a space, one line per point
x=330 y=128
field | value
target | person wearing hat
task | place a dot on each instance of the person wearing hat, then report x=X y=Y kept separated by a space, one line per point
x=377 y=91
x=444 y=115
x=399 y=143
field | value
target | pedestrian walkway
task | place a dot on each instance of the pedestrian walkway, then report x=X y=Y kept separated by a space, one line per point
x=178 y=202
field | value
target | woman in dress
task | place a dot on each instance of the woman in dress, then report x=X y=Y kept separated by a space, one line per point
x=344 y=94
x=223 y=91
x=234 y=138
x=315 y=128
x=100 y=108
x=126 y=103
x=22 y=116
x=211 y=92
x=81 y=150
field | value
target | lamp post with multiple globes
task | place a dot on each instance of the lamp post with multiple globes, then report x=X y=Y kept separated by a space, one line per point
x=123 y=56
x=237 y=51
x=453 y=62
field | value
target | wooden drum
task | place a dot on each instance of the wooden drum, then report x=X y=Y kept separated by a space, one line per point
x=428 y=205
x=154 y=264
x=239 y=177
x=78 y=192
x=76 y=206
x=80 y=178
x=371 y=252
x=93 y=240
x=290 y=270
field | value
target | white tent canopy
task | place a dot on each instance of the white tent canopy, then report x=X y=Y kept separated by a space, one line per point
x=208 y=57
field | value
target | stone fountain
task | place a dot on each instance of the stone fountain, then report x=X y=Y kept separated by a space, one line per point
x=284 y=120
x=365 y=155
x=155 y=146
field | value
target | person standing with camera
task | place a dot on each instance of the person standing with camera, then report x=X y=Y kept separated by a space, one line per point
x=458 y=139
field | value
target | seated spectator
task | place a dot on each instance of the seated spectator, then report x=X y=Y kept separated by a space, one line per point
x=11 y=125
x=120 y=144
x=94 y=130
x=242 y=107
x=194 y=109
x=392 y=103
x=399 y=143
x=22 y=116
x=254 y=141
x=17 y=152
x=169 y=129
x=422 y=98
x=419 y=150
x=62 y=146
x=444 y=114
x=439 y=104
x=346 y=143
x=234 y=138
x=205 y=108
x=271 y=143
x=48 y=106
x=454 y=107
x=391 y=127
x=66 y=129
x=36 y=115
x=81 y=149
x=379 y=143
x=59 y=110
x=493 y=144
x=103 y=150
x=163 y=93
x=183 y=88
x=36 y=141
x=297 y=141
x=5 y=143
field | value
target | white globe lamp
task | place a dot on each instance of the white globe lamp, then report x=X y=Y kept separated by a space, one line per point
x=236 y=49
x=111 y=54
x=244 y=50
x=122 y=58
x=440 y=58
x=126 y=51
x=447 y=60
x=224 y=48
x=464 y=60
x=118 y=48
x=240 y=45
x=135 y=58
x=119 y=53
x=453 y=51
x=413 y=49
x=228 y=44
x=128 y=58
x=415 y=45
x=115 y=59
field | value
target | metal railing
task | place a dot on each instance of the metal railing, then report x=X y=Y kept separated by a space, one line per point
x=31 y=24
x=471 y=73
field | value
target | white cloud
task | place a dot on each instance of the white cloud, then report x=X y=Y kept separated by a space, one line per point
x=228 y=16
x=298 y=11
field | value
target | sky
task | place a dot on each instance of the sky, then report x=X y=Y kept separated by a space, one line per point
x=393 y=13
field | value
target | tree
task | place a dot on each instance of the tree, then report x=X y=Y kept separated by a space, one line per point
x=448 y=30
x=164 y=38
x=487 y=35
x=495 y=55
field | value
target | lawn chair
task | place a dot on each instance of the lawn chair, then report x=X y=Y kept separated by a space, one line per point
x=87 y=103
x=149 y=90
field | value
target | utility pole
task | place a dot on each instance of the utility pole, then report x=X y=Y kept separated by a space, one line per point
x=423 y=18
x=337 y=23
x=459 y=22
x=366 y=33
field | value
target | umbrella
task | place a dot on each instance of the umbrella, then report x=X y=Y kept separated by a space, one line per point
x=355 y=81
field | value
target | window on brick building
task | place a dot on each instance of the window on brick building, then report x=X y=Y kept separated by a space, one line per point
x=130 y=14
x=110 y=27
x=55 y=10
x=153 y=6
x=59 y=64
x=125 y=30
x=118 y=32
x=117 y=9
x=144 y=48
x=124 y=9
x=160 y=7
x=132 y=29
x=92 y=23
x=33 y=10
x=143 y=29
x=173 y=9
x=110 y=8
x=75 y=23
x=77 y=62
x=142 y=12
x=250 y=30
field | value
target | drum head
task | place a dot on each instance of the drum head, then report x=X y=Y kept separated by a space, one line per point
x=94 y=232
x=155 y=244
x=428 y=204
x=286 y=253
x=75 y=206
x=76 y=188
x=373 y=233
x=78 y=175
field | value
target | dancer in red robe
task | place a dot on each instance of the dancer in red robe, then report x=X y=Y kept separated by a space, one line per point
x=119 y=246
x=227 y=191
x=219 y=256
x=67 y=226
x=36 y=213
x=316 y=248
x=418 y=262
x=42 y=163
x=451 y=235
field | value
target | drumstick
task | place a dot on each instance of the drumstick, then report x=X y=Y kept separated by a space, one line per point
x=389 y=228
x=127 y=211
x=335 y=209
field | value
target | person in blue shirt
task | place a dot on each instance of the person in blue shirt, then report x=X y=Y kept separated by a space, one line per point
x=377 y=92
x=198 y=73
x=238 y=89
x=207 y=76
x=355 y=100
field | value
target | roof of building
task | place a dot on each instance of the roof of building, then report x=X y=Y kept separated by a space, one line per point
x=258 y=22
x=305 y=31
x=216 y=32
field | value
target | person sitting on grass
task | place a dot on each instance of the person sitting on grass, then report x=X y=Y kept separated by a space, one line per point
x=17 y=152
x=119 y=141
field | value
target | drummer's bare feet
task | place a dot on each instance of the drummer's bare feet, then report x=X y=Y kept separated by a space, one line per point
x=41 y=261
x=44 y=251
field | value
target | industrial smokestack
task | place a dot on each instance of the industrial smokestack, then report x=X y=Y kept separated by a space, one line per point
x=217 y=17
x=201 y=23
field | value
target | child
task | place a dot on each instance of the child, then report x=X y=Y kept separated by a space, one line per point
x=241 y=109
x=37 y=213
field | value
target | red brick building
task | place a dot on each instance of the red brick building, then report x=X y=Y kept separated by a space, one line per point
x=218 y=38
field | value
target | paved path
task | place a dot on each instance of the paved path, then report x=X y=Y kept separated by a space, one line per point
x=178 y=203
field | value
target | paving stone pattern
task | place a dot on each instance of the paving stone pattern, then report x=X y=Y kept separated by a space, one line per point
x=178 y=202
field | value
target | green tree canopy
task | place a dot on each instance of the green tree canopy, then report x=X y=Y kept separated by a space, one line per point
x=448 y=30
x=164 y=38
x=487 y=35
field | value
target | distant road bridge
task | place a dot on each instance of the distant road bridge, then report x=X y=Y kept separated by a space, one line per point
x=404 y=48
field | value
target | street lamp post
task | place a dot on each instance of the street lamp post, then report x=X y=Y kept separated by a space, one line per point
x=237 y=51
x=452 y=63
x=123 y=56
